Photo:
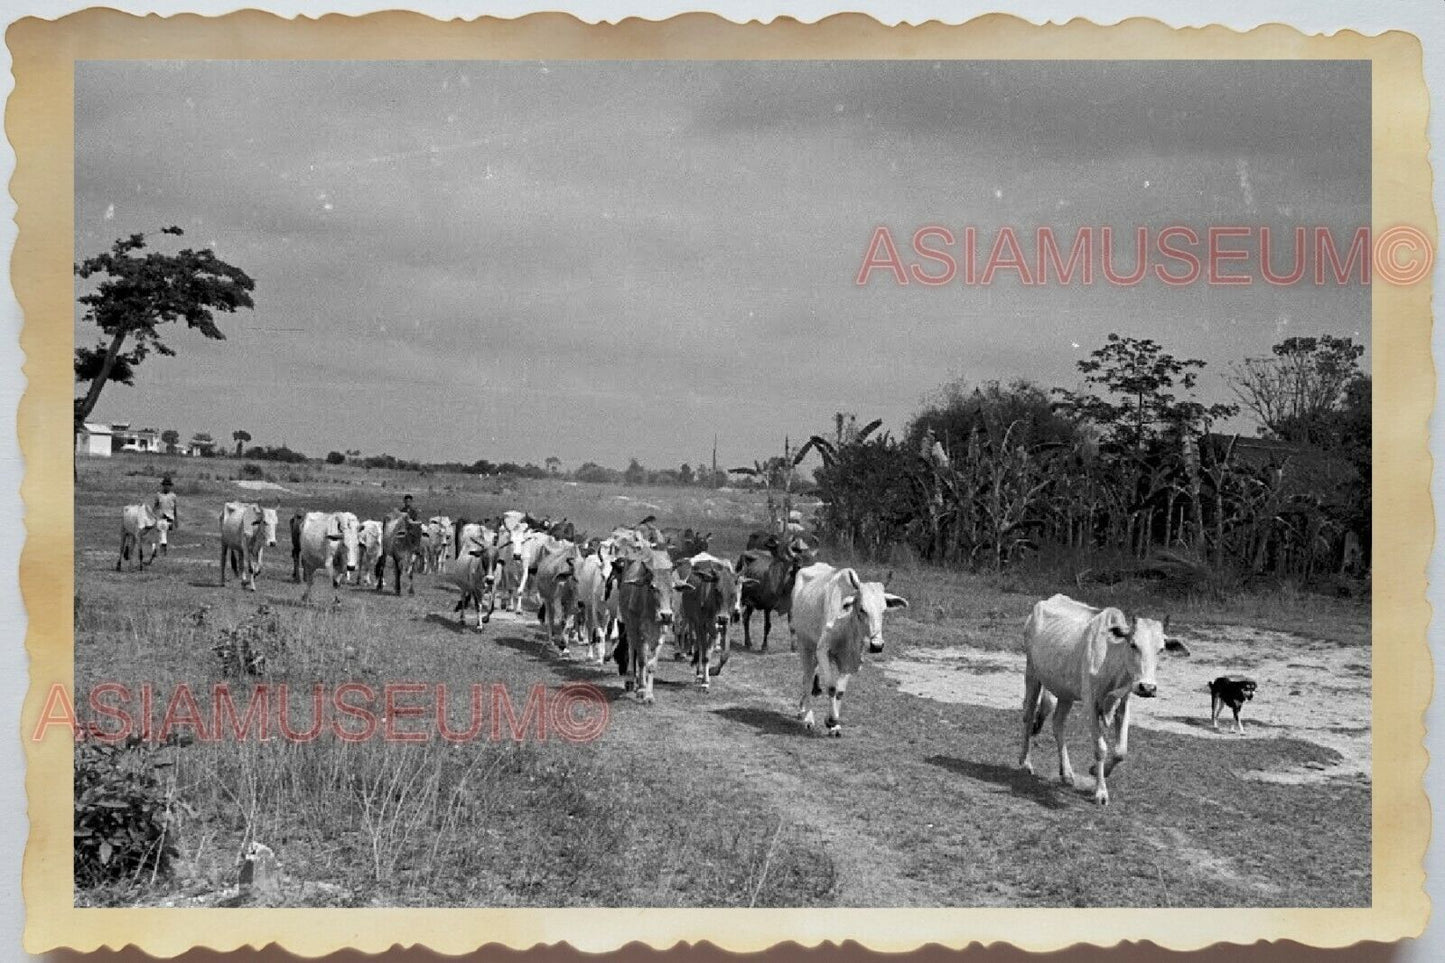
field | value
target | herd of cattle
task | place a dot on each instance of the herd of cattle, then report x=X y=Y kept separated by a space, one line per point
x=641 y=584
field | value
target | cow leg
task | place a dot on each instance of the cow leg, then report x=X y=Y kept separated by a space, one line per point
x=310 y=574
x=1098 y=729
x=834 y=721
x=296 y=564
x=810 y=679
x=1033 y=689
x=747 y=620
x=380 y=574
x=767 y=627
x=124 y=541
x=649 y=668
x=225 y=558
x=621 y=653
x=1061 y=715
x=411 y=577
x=1121 y=736
x=701 y=656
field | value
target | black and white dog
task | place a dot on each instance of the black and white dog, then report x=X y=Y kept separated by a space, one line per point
x=1233 y=691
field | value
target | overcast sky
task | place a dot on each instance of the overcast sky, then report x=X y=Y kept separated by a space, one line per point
x=596 y=261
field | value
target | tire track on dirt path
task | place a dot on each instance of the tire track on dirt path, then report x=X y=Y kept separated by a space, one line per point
x=805 y=780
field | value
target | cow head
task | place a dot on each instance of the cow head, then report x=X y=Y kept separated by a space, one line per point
x=866 y=605
x=267 y=523
x=1139 y=643
x=654 y=571
x=343 y=527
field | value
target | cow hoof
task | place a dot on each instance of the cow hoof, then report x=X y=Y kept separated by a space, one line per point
x=677 y=656
x=1102 y=800
x=1027 y=767
x=627 y=686
x=411 y=591
x=835 y=731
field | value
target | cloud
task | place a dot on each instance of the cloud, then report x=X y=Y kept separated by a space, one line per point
x=511 y=255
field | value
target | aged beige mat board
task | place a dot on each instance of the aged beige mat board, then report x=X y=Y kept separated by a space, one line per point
x=692 y=444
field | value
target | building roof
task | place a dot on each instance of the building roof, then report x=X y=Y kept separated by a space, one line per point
x=97 y=429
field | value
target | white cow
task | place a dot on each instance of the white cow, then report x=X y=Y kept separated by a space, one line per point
x=834 y=614
x=140 y=526
x=598 y=622
x=246 y=530
x=1097 y=657
x=330 y=541
x=437 y=543
x=518 y=550
x=471 y=573
x=368 y=551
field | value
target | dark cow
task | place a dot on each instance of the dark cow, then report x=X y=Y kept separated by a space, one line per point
x=557 y=588
x=709 y=598
x=763 y=540
x=563 y=531
x=401 y=541
x=766 y=580
x=644 y=607
x=684 y=542
x=295 y=526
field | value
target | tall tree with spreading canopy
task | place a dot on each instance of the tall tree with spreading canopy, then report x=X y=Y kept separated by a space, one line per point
x=240 y=437
x=1134 y=398
x=140 y=290
x=1296 y=392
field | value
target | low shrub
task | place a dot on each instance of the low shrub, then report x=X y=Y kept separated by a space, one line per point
x=123 y=813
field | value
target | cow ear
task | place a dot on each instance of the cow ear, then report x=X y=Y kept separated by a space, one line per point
x=1119 y=626
x=895 y=601
x=1175 y=646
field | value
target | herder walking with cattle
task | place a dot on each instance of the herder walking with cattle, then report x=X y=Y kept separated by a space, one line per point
x=164 y=505
x=409 y=509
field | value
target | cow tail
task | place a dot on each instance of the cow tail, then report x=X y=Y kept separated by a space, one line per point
x=1042 y=711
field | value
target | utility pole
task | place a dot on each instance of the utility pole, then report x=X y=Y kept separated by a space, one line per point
x=712 y=479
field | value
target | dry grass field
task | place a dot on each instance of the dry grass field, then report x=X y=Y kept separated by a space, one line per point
x=719 y=798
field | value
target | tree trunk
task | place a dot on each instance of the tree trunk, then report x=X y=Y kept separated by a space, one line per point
x=92 y=395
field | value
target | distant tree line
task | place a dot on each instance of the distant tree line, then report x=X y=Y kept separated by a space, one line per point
x=1128 y=466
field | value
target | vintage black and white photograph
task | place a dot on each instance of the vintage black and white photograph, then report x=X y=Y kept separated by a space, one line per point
x=723 y=483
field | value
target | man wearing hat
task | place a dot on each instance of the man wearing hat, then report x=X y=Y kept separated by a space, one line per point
x=409 y=509
x=164 y=505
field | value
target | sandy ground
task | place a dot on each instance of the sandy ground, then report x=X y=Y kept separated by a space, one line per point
x=1313 y=691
